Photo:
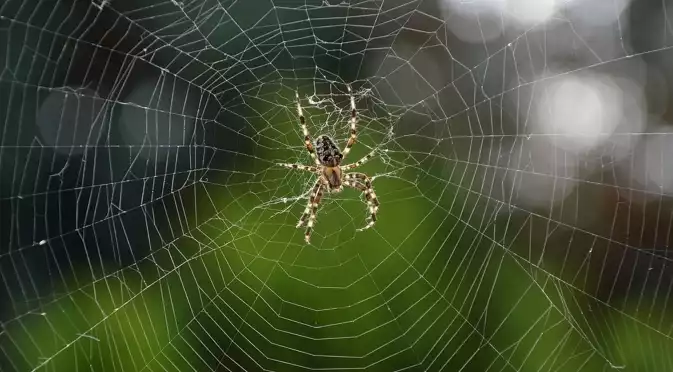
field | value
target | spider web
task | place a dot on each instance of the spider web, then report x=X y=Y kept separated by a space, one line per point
x=521 y=164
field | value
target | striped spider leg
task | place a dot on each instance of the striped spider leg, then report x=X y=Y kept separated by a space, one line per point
x=353 y=122
x=311 y=209
x=310 y=168
x=363 y=183
x=358 y=163
x=307 y=137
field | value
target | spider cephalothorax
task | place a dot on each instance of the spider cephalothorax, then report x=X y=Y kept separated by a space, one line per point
x=327 y=158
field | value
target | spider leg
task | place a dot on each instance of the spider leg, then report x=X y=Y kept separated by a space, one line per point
x=312 y=217
x=353 y=121
x=307 y=137
x=312 y=196
x=363 y=183
x=311 y=210
x=358 y=163
x=309 y=168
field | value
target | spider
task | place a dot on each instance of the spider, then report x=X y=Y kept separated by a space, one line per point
x=331 y=174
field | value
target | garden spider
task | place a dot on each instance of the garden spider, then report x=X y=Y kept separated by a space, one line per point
x=332 y=176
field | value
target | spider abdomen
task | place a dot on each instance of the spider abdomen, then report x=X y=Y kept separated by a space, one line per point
x=327 y=151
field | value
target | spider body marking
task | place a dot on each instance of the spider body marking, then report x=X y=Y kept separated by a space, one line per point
x=331 y=174
x=330 y=158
